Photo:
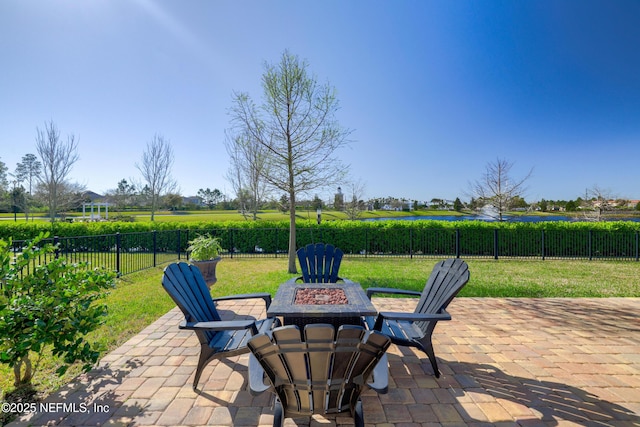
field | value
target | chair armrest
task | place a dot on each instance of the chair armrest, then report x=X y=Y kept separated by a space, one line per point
x=380 y=376
x=264 y=295
x=256 y=377
x=221 y=325
x=413 y=317
x=371 y=291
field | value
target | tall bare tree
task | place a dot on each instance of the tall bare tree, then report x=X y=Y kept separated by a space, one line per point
x=497 y=188
x=57 y=158
x=297 y=126
x=248 y=163
x=354 y=206
x=597 y=201
x=155 y=167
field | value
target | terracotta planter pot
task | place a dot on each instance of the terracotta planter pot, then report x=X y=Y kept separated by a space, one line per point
x=208 y=270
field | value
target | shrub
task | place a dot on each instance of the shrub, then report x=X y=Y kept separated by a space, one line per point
x=51 y=305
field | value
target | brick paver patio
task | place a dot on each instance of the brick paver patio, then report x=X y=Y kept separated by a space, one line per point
x=505 y=362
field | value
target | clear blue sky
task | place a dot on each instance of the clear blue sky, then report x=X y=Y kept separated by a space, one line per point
x=433 y=90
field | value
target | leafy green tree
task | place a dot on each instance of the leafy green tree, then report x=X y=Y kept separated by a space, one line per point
x=172 y=201
x=210 y=197
x=28 y=170
x=317 y=203
x=544 y=205
x=123 y=195
x=4 y=183
x=49 y=305
x=457 y=205
x=571 y=206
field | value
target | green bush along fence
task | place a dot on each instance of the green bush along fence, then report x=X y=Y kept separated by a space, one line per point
x=130 y=252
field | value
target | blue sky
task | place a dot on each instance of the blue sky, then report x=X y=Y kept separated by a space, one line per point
x=433 y=90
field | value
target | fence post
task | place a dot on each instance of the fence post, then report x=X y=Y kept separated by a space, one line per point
x=457 y=243
x=495 y=243
x=186 y=252
x=411 y=243
x=178 y=248
x=637 y=253
x=367 y=247
x=55 y=245
x=590 y=245
x=118 y=247
x=231 y=242
x=543 y=245
x=155 y=239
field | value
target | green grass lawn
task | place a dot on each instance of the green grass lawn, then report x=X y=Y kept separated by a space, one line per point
x=233 y=215
x=138 y=299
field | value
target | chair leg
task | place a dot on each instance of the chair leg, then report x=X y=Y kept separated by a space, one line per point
x=358 y=416
x=278 y=414
x=205 y=357
x=427 y=347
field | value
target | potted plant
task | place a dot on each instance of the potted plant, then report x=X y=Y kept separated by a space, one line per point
x=204 y=252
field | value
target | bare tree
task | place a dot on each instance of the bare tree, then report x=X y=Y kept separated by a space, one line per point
x=497 y=188
x=597 y=201
x=247 y=167
x=57 y=158
x=157 y=161
x=354 y=205
x=296 y=125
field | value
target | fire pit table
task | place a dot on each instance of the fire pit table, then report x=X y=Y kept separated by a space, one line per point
x=333 y=303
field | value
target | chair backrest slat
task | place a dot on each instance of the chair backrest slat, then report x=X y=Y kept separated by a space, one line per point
x=324 y=373
x=444 y=283
x=188 y=289
x=320 y=263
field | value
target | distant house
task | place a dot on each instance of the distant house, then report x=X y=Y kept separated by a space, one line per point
x=193 y=200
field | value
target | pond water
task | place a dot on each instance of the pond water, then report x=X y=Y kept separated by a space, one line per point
x=530 y=218
x=524 y=218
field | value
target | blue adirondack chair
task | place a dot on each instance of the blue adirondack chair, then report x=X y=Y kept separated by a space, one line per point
x=415 y=329
x=218 y=338
x=320 y=263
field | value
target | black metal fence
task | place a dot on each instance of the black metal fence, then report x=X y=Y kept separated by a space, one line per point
x=124 y=253
x=130 y=252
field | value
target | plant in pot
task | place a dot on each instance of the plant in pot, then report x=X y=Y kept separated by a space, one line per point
x=204 y=252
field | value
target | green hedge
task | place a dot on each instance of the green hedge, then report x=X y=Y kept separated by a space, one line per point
x=435 y=238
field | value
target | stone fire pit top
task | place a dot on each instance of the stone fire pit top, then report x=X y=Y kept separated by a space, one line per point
x=357 y=303
x=312 y=296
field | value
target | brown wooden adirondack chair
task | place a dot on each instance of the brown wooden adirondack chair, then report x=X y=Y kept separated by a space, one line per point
x=218 y=338
x=415 y=329
x=320 y=263
x=323 y=374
